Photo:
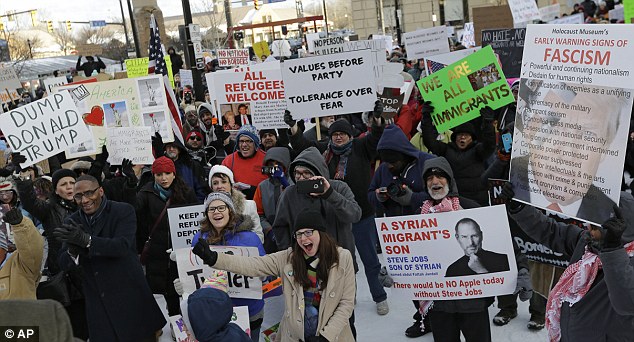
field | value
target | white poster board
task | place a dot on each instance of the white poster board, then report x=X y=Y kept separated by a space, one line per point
x=428 y=42
x=192 y=272
x=134 y=143
x=429 y=256
x=186 y=77
x=379 y=59
x=468 y=36
x=567 y=20
x=389 y=46
x=44 y=128
x=233 y=57
x=618 y=13
x=327 y=46
x=524 y=10
x=184 y=224
x=52 y=82
x=548 y=13
x=9 y=84
x=330 y=85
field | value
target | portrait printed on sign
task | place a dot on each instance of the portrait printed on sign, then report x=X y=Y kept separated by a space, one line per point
x=565 y=148
x=484 y=77
x=476 y=259
x=116 y=114
x=231 y=118
x=244 y=114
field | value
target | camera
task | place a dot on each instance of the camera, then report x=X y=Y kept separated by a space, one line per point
x=396 y=188
x=268 y=170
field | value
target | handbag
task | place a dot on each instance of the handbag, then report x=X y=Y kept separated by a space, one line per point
x=146 y=246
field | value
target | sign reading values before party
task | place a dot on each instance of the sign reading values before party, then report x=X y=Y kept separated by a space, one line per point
x=428 y=42
x=233 y=57
x=330 y=85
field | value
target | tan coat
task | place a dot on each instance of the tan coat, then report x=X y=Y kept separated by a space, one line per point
x=337 y=300
x=20 y=274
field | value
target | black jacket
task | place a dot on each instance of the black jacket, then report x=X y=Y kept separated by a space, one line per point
x=493 y=262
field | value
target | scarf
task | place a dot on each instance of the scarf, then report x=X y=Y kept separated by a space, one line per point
x=312 y=296
x=163 y=193
x=573 y=285
x=446 y=204
x=343 y=152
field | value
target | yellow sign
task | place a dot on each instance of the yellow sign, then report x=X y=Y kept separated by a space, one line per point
x=138 y=67
x=261 y=49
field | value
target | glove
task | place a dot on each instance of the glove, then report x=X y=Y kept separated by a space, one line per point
x=157 y=144
x=172 y=254
x=128 y=171
x=507 y=195
x=220 y=133
x=382 y=196
x=16 y=160
x=103 y=156
x=406 y=198
x=487 y=114
x=426 y=107
x=279 y=175
x=524 y=286
x=75 y=250
x=378 y=109
x=178 y=286
x=202 y=250
x=13 y=216
x=613 y=229
x=72 y=233
x=288 y=119
x=316 y=339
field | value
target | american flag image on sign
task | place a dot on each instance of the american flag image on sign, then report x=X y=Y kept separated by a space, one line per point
x=434 y=66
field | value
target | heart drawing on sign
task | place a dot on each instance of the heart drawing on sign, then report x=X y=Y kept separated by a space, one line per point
x=95 y=117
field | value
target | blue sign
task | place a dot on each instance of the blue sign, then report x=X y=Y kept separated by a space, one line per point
x=97 y=23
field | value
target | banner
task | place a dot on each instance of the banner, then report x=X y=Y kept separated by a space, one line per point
x=88 y=49
x=508 y=45
x=392 y=99
x=573 y=114
x=52 y=82
x=44 y=128
x=524 y=10
x=184 y=224
x=548 y=13
x=192 y=272
x=428 y=42
x=9 y=84
x=452 y=255
x=460 y=90
x=328 y=46
x=233 y=57
x=134 y=143
x=252 y=95
x=491 y=17
x=329 y=85
x=570 y=19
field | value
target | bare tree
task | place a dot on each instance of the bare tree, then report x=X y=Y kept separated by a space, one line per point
x=214 y=17
x=99 y=36
x=64 y=39
x=21 y=48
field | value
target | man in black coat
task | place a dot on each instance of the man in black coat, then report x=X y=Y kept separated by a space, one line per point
x=90 y=66
x=100 y=240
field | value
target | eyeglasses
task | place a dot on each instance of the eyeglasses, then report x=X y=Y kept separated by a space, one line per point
x=303 y=174
x=338 y=135
x=195 y=138
x=249 y=142
x=86 y=194
x=307 y=233
x=5 y=192
x=220 y=209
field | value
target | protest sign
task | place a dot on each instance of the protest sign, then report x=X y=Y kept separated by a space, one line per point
x=392 y=99
x=281 y=48
x=468 y=36
x=44 y=128
x=182 y=333
x=137 y=67
x=460 y=90
x=548 y=13
x=186 y=78
x=134 y=143
x=428 y=42
x=251 y=95
x=508 y=45
x=328 y=46
x=329 y=85
x=490 y=17
x=52 y=82
x=437 y=62
x=233 y=57
x=192 y=272
x=428 y=255
x=310 y=37
x=88 y=49
x=378 y=54
x=184 y=223
x=573 y=112
x=628 y=9
x=9 y=84
x=524 y=10
x=261 y=49
x=570 y=19
x=389 y=46
x=618 y=13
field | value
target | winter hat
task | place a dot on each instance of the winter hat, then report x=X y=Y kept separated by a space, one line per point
x=6 y=183
x=217 y=280
x=205 y=108
x=464 y=128
x=341 y=125
x=309 y=218
x=61 y=173
x=223 y=170
x=81 y=165
x=222 y=196
x=267 y=131
x=190 y=109
x=436 y=171
x=194 y=133
x=306 y=165
x=251 y=132
x=207 y=59
x=163 y=164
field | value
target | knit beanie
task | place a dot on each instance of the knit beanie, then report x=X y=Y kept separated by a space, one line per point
x=309 y=218
x=217 y=280
x=222 y=196
x=223 y=170
x=196 y=133
x=251 y=132
x=437 y=172
x=163 y=164
x=466 y=127
x=267 y=131
x=341 y=125
x=61 y=173
x=81 y=165
x=6 y=183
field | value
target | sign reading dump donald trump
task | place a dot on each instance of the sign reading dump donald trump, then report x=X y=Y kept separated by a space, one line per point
x=452 y=255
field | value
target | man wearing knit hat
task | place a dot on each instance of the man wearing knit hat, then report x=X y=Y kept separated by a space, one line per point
x=247 y=160
x=213 y=133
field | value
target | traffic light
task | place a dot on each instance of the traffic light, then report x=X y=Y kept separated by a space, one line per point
x=1 y=26
x=68 y=26
x=256 y=3
x=284 y=30
x=49 y=26
x=34 y=18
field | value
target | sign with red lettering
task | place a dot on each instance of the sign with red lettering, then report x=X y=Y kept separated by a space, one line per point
x=233 y=57
x=450 y=255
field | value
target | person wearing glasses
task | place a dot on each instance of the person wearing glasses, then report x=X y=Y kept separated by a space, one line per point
x=166 y=191
x=222 y=225
x=317 y=277
x=99 y=242
x=246 y=162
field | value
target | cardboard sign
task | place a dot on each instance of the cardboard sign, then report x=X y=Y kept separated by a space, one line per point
x=52 y=82
x=468 y=35
x=574 y=109
x=491 y=17
x=262 y=50
x=233 y=57
x=329 y=85
x=44 y=128
x=88 y=49
x=187 y=78
x=460 y=90
x=508 y=45
x=328 y=46
x=9 y=84
x=184 y=224
x=428 y=42
x=392 y=99
x=567 y=20
x=192 y=272
x=428 y=256
x=524 y=10
x=134 y=143
x=549 y=13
